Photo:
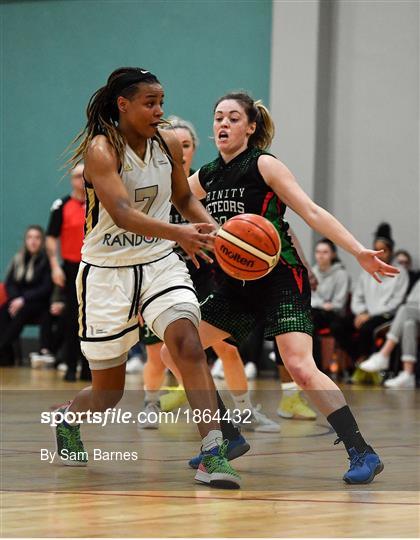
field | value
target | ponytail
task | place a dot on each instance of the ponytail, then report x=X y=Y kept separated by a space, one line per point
x=264 y=132
x=384 y=234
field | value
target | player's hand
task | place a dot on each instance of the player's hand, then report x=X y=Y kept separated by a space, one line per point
x=195 y=237
x=58 y=277
x=328 y=306
x=369 y=261
x=57 y=308
x=16 y=305
x=360 y=320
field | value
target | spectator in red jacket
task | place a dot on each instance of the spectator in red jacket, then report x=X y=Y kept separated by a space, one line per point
x=66 y=226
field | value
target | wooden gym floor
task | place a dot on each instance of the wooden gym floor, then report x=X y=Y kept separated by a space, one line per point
x=291 y=487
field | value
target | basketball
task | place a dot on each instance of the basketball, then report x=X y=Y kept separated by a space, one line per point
x=247 y=247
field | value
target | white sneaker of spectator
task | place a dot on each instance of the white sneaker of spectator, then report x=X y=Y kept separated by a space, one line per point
x=150 y=416
x=134 y=365
x=62 y=366
x=402 y=380
x=257 y=421
x=217 y=370
x=41 y=359
x=250 y=371
x=376 y=362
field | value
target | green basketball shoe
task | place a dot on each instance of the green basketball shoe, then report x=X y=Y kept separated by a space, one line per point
x=69 y=447
x=216 y=471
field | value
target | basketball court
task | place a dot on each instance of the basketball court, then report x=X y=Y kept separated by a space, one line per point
x=291 y=482
x=340 y=80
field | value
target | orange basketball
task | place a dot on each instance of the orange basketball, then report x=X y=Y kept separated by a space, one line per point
x=247 y=247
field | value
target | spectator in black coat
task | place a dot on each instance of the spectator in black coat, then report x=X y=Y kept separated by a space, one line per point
x=28 y=285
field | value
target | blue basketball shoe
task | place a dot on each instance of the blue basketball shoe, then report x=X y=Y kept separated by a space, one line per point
x=364 y=466
x=236 y=448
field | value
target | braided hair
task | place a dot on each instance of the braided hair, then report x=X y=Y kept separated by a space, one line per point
x=102 y=111
x=256 y=112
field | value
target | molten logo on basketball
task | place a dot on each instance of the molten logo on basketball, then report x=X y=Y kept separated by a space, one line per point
x=247 y=247
x=236 y=257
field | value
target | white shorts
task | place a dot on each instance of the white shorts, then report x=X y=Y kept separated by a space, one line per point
x=110 y=300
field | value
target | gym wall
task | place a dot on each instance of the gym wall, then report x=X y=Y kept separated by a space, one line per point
x=55 y=54
x=342 y=77
x=345 y=97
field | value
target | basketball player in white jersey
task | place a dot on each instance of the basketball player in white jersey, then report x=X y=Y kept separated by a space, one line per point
x=133 y=172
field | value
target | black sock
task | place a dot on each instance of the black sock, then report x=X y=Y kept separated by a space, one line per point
x=345 y=425
x=229 y=431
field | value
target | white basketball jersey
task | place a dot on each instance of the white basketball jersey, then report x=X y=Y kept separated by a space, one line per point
x=149 y=188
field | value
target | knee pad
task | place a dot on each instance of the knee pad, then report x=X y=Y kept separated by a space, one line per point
x=172 y=314
x=108 y=362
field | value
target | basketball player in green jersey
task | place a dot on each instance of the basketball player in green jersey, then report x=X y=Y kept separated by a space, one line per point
x=202 y=277
x=133 y=171
x=245 y=178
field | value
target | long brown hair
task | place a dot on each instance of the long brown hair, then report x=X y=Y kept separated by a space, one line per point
x=23 y=263
x=256 y=112
x=102 y=111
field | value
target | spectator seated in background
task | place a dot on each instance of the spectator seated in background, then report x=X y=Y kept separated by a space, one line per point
x=329 y=300
x=373 y=303
x=404 y=259
x=404 y=327
x=53 y=331
x=28 y=286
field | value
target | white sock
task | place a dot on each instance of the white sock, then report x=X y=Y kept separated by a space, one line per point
x=289 y=389
x=211 y=440
x=151 y=396
x=385 y=356
x=242 y=402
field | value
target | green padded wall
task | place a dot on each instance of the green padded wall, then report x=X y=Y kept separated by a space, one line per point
x=55 y=54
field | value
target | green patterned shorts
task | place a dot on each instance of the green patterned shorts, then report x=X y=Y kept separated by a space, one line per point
x=280 y=312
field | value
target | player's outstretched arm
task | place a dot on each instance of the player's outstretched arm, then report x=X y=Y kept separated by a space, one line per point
x=284 y=184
